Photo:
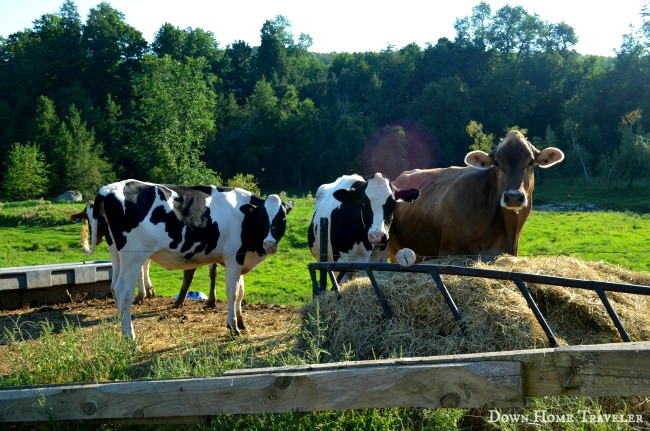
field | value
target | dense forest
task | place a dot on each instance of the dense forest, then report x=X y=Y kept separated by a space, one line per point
x=82 y=104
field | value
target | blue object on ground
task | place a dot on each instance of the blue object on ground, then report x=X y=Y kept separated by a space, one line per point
x=195 y=295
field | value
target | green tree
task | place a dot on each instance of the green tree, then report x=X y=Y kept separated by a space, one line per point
x=349 y=135
x=113 y=49
x=113 y=129
x=633 y=154
x=239 y=70
x=174 y=117
x=45 y=126
x=473 y=30
x=168 y=40
x=272 y=55
x=482 y=141
x=443 y=107
x=246 y=182
x=572 y=131
x=298 y=132
x=193 y=43
x=78 y=162
x=259 y=130
x=559 y=37
x=26 y=172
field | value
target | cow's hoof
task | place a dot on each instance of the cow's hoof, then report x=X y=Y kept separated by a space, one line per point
x=138 y=301
x=210 y=304
x=241 y=326
x=177 y=304
x=234 y=332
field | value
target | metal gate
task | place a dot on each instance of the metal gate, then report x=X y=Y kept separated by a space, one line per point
x=520 y=279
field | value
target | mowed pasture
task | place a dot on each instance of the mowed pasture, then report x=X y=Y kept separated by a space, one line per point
x=39 y=232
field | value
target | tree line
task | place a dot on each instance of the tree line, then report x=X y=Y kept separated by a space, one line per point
x=82 y=104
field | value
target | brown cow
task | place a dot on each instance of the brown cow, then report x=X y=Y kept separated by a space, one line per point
x=478 y=210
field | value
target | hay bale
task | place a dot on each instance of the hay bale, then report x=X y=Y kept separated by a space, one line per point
x=495 y=314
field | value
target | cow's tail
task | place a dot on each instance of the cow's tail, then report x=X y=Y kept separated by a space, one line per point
x=89 y=230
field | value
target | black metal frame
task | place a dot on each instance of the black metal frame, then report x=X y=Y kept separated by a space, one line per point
x=519 y=278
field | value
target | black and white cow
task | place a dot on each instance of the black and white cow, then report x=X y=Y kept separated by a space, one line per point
x=183 y=227
x=359 y=215
x=145 y=286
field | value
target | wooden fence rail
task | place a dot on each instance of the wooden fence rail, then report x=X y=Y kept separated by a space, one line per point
x=495 y=380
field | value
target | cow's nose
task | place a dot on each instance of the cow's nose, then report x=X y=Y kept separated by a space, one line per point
x=270 y=247
x=376 y=238
x=514 y=199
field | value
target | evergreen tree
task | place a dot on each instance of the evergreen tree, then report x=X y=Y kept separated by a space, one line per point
x=26 y=172
x=78 y=163
x=44 y=127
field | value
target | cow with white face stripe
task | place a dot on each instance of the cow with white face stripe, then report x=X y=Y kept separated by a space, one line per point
x=183 y=227
x=359 y=215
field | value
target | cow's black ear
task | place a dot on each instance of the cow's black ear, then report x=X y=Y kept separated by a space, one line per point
x=345 y=195
x=407 y=195
x=247 y=208
x=288 y=206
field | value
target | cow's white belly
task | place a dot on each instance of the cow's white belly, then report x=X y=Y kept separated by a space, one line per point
x=170 y=260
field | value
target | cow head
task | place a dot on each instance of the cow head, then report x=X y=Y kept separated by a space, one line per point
x=269 y=219
x=514 y=160
x=376 y=199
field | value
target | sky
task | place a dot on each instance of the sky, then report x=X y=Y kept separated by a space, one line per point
x=344 y=25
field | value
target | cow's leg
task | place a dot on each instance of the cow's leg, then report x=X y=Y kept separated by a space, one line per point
x=188 y=275
x=233 y=272
x=212 y=299
x=130 y=269
x=238 y=299
x=149 y=292
x=142 y=283
x=115 y=265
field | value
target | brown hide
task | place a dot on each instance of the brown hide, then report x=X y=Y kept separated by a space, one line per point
x=477 y=210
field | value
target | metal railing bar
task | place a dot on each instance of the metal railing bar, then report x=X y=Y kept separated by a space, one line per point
x=324 y=228
x=315 y=285
x=335 y=282
x=486 y=273
x=445 y=294
x=612 y=314
x=538 y=314
x=448 y=299
x=380 y=295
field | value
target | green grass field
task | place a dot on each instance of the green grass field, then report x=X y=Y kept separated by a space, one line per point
x=39 y=232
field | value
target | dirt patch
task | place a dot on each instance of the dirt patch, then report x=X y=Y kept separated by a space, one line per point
x=161 y=328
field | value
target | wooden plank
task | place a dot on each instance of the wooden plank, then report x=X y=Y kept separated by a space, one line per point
x=466 y=385
x=618 y=369
x=497 y=379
